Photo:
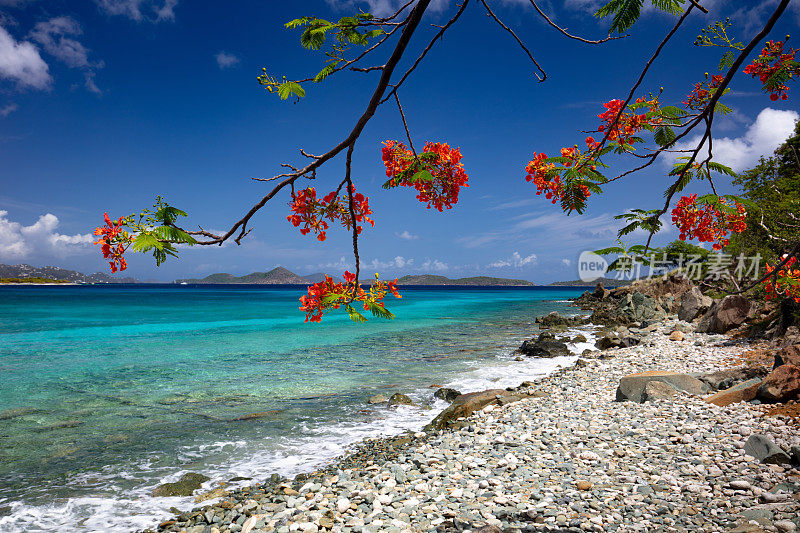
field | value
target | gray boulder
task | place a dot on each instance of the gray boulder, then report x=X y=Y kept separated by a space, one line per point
x=466 y=404
x=637 y=307
x=546 y=345
x=725 y=379
x=658 y=390
x=795 y=451
x=764 y=450
x=185 y=486
x=693 y=304
x=725 y=315
x=378 y=398
x=631 y=388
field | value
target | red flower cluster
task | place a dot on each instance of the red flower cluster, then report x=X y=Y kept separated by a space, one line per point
x=329 y=294
x=543 y=174
x=774 y=59
x=112 y=243
x=629 y=124
x=443 y=163
x=312 y=212
x=702 y=92
x=787 y=283
x=708 y=223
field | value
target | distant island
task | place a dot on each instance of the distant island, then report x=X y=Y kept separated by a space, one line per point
x=29 y=274
x=429 y=279
x=607 y=282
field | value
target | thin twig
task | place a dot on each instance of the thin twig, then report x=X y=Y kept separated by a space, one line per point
x=519 y=41
x=564 y=31
x=405 y=125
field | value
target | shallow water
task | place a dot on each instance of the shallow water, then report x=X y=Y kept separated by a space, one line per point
x=116 y=389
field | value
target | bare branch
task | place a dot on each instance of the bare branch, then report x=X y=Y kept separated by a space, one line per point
x=519 y=41
x=564 y=30
x=405 y=124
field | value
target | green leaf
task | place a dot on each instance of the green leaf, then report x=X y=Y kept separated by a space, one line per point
x=726 y=61
x=355 y=316
x=626 y=13
x=289 y=88
x=422 y=175
x=671 y=111
x=173 y=234
x=325 y=72
x=145 y=242
x=664 y=136
x=722 y=169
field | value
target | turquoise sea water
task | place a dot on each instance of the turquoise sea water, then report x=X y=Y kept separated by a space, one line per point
x=108 y=391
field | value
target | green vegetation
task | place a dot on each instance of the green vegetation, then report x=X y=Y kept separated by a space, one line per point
x=32 y=280
x=429 y=279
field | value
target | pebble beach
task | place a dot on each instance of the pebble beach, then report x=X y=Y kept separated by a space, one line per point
x=566 y=457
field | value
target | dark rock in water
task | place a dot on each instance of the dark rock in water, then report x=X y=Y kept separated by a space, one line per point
x=400 y=399
x=764 y=450
x=252 y=416
x=466 y=404
x=378 y=398
x=725 y=379
x=446 y=394
x=8 y=414
x=579 y=338
x=631 y=388
x=185 y=486
x=554 y=319
x=725 y=315
x=788 y=354
x=780 y=385
x=693 y=304
x=240 y=478
x=545 y=345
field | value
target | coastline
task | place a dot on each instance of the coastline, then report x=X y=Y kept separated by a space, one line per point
x=566 y=457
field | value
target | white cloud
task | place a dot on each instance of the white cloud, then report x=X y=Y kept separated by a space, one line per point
x=139 y=10
x=771 y=128
x=20 y=62
x=407 y=235
x=397 y=262
x=39 y=239
x=435 y=265
x=516 y=260
x=56 y=37
x=566 y=262
x=513 y=204
x=7 y=110
x=226 y=60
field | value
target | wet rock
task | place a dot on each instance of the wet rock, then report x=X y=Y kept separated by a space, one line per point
x=554 y=319
x=693 y=304
x=378 y=398
x=742 y=392
x=795 y=453
x=466 y=404
x=253 y=416
x=579 y=338
x=400 y=399
x=725 y=315
x=185 y=486
x=216 y=493
x=613 y=340
x=764 y=450
x=447 y=394
x=545 y=345
x=781 y=384
x=631 y=388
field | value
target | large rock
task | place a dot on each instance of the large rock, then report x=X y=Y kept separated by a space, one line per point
x=400 y=399
x=185 y=486
x=631 y=388
x=545 y=345
x=658 y=390
x=725 y=379
x=725 y=315
x=600 y=292
x=612 y=340
x=378 y=398
x=693 y=304
x=446 y=394
x=789 y=354
x=743 y=392
x=764 y=450
x=638 y=307
x=674 y=285
x=780 y=385
x=466 y=404
x=554 y=319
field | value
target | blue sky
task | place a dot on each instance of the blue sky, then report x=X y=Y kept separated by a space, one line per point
x=105 y=104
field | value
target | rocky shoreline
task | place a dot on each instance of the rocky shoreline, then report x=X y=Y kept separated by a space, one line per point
x=632 y=438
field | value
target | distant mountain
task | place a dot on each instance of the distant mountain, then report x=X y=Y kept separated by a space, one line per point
x=51 y=272
x=429 y=279
x=276 y=276
x=607 y=282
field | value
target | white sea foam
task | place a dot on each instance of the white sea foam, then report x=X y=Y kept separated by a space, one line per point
x=310 y=447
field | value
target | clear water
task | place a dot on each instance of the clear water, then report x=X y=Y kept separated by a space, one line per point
x=126 y=387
